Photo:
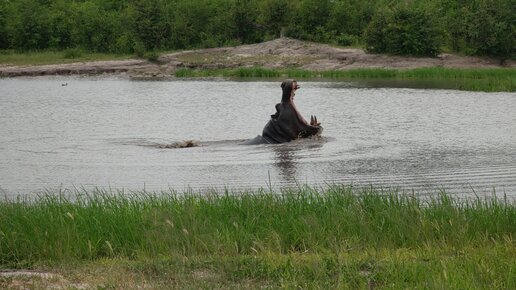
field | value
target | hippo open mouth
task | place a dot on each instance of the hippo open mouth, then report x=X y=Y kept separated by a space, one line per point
x=287 y=123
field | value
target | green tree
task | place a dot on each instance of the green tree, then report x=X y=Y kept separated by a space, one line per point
x=244 y=14
x=28 y=25
x=189 y=22
x=276 y=15
x=221 y=27
x=403 y=31
x=416 y=27
x=375 y=35
x=482 y=27
x=95 y=27
x=4 y=40
x=124 y=38
x=311 y=19
x=148 y=25
x=351 y=17
x=61 y=17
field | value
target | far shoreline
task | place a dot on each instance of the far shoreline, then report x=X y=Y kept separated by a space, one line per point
x=280 y=58
x=472 y=79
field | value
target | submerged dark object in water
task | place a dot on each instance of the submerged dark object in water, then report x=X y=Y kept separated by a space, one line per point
x=287 y=124
x=184 y=144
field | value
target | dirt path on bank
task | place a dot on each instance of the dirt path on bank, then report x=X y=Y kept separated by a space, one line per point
x=278 y=53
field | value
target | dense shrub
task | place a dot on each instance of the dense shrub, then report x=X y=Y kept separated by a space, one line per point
x=479 y=27
x=28 y=25
x=244 y=16
x=151 y=56
x=147 y=23
x=4 y=41
x=275 y=15
x=123 y=44
x=61 y=19
x=96 y=28
x=312 y=19
x=72 y=53
x=352 y=16
x=403 y=32
x=375 y=36
x=483 y=27
x=139 y=49
x=346 y=39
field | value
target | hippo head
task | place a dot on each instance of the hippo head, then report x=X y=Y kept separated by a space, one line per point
x=288 y=86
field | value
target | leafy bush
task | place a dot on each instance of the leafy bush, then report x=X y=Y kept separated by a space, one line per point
x=4 y=41
x=62 y=17
x=152 y=56
x=376 y=33
x=351 y=17
x=346 y=39
x=403 y=32
x=72 y=53
x=276 y=15
x=139 y=49
x=96 y=27
x=28 y=25
x=477 y=27
x=243 y=14
x=147 y=23
x=483 y=27
x=123 y=44
x=312 y=17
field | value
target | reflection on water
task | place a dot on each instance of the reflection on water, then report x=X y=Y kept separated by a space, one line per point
x=120 y=133
x=285 y=162
x=285 y=156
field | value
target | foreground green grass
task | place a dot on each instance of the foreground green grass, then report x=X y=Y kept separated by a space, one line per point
x=340 y=237
x=497 y=79
x=9 y=57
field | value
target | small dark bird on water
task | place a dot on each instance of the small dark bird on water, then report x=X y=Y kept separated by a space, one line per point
x=64 y=85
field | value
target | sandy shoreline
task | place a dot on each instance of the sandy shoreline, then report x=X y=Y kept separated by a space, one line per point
x=278 y=53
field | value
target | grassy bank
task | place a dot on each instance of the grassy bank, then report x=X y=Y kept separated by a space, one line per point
x=340 y=237
x=9 y=57
x=491 y=80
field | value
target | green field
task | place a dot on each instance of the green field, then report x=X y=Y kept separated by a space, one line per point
x=341 y=237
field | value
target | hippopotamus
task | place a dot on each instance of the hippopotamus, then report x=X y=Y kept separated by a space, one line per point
x=287 y=124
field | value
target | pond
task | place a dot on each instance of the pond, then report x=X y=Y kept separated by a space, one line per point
x=84 y=132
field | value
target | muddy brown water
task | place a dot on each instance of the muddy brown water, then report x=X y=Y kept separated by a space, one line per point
x=85 y=132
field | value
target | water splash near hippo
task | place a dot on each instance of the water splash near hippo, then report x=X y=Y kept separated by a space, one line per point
x=284 y=126
x=180 y=144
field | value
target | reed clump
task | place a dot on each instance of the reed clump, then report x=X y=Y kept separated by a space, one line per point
x=483 y=79
x=90 y=225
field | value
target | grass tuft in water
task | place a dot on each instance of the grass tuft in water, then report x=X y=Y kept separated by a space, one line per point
x=496 y=79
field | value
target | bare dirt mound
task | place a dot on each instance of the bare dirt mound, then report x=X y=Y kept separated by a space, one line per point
x=278 y=53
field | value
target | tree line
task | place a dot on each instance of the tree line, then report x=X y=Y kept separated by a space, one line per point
x=408 y=27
